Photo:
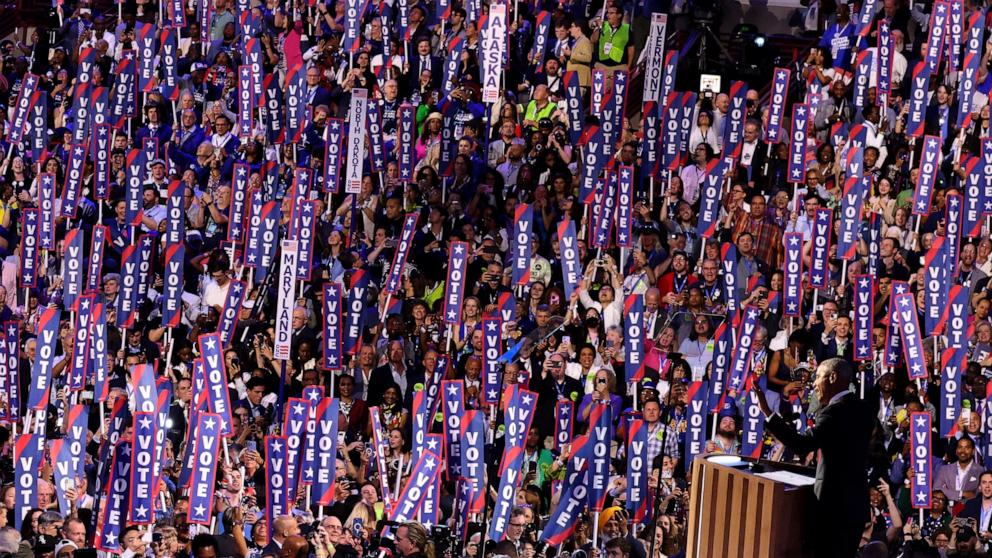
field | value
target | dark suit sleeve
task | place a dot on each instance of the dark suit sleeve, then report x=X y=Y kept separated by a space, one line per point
x=814 y=438
x=971 y=509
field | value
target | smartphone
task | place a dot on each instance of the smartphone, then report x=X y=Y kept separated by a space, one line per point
x=252 y=445
x=566 y=339
x=357 y=529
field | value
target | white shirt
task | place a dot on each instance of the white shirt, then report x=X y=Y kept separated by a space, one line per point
x=214 y=294
x=218 y=140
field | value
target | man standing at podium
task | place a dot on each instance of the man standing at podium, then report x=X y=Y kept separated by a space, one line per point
x=843 y=427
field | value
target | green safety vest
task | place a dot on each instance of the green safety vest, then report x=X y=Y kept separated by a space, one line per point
x=612 y=44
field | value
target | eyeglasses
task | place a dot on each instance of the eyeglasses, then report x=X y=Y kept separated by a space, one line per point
x=521 y=525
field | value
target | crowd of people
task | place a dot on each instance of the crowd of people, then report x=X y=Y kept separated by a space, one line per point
x=156 y=157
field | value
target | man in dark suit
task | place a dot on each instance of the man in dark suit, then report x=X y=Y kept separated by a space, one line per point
x=424 y=60
x=155 y=127
x=283 y=528
x=396 y=372
x=981 y=505
x=190 y=135
x=841 y=433
x=317 y=94
x=552 y=385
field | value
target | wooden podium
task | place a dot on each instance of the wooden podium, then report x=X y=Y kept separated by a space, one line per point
x=735 y=512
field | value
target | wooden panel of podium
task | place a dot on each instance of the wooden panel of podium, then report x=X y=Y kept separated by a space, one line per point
x=733 y=512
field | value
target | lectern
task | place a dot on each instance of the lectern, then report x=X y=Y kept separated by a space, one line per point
x=746 y=508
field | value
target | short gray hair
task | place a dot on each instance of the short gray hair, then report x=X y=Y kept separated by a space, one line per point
x=840 y=367
x=10 y=539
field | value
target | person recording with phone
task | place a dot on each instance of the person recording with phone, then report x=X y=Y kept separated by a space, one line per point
x=608 y=304
x=603 y=392
x=554 y=385
x=979 y=508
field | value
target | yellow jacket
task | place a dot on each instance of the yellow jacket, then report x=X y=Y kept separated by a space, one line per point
x=581 y=60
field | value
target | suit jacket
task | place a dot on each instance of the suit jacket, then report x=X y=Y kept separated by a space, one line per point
x=830 y=349
x=322 y=96
x=418 y=65
x=946 y=480
x=192 y=140
x=755 y=171
x=932 y=123
x=973 y=509
x=272 y=549
x=382 y=378
x=841 y=433
x=581 y=60
x=547 y=392
x=163 y=133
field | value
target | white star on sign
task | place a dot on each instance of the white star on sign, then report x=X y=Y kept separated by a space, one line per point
x=142 y=511
x=276 y=446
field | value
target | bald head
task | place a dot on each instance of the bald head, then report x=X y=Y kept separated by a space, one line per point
x=284 y=527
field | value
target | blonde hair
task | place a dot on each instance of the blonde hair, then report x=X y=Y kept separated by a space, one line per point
x=365 y=513
x=418 y=535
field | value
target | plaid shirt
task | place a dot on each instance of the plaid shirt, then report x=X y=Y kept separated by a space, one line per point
x=654 y=442
x=767 y=238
